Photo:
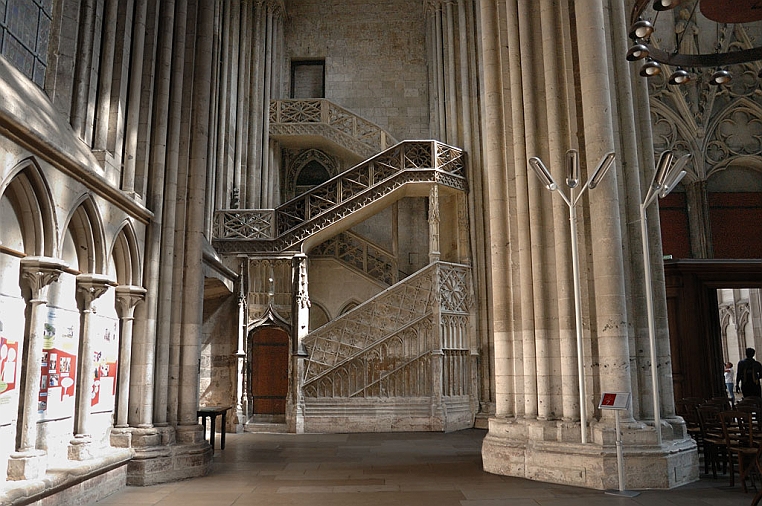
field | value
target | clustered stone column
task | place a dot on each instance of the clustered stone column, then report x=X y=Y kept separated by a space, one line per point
x=37 y=273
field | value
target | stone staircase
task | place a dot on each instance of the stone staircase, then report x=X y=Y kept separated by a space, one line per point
x=399 y=361
x=340 y=202
x=319 y=117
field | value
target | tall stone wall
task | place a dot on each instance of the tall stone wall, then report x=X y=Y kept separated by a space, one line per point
x=375 y=58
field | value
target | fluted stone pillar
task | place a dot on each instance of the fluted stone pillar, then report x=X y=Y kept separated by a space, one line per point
x=37 y=273
x=537 y=103
x=89 y=288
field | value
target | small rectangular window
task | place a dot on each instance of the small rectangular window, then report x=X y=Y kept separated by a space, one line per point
x=308 y=79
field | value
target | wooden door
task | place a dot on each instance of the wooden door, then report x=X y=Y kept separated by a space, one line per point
x=269 y=371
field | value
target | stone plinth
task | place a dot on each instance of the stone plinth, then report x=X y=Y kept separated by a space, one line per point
x=551 y=455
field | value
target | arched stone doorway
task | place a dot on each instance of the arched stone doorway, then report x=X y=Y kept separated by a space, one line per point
x=268 y=374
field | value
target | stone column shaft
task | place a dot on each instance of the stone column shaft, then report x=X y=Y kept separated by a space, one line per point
x=193 y=289
x=171 y=176
x=133 y=111
x=142 y=376
x=105 y=78
x=126 y=299
x=36 y=275
x=607 y=257
x=496 y=209
x=82 y=72
x=89 y=288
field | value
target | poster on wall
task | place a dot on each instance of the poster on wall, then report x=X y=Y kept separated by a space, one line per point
x=105 y=358
x=59 y=364
x=11 y=339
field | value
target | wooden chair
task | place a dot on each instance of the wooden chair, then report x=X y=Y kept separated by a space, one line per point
x=750 y=400
x=738 y=430
x=715 y=451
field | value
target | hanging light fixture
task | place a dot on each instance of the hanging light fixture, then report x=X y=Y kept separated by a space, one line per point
x=679 y=76
x=637 y=52
x=665 y=5
x=720 y=77
x=641 y=29
x=650 y=68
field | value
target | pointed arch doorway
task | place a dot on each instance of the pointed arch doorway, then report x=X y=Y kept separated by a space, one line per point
x=268 y=373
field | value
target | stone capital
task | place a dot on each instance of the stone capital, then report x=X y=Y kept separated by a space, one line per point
x=127 y=297
x=90 y=287
x=37 y=273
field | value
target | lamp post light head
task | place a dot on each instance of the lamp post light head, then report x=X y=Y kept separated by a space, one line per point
x=675 y=174
x=603 y=167
x=662 y=169
x=572 y=168
x=543 y=173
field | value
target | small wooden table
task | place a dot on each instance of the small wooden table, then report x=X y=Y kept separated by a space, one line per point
x=212 y=412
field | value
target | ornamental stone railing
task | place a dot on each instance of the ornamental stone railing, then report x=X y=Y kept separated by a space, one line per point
x=362 y=255
x=300 y=117
x=283 y=228
x=389 y=345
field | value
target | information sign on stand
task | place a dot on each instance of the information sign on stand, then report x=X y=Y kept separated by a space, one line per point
x=618 y=401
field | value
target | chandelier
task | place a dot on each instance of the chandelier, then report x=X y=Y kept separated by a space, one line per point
x=687 y=53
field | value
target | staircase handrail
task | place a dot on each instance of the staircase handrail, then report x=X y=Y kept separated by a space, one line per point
x=386 y=260
x=312 y=111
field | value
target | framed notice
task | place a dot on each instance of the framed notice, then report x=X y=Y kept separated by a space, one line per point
x=615 y=400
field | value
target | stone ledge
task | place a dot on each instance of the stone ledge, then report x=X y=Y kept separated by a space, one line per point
x=72 y=480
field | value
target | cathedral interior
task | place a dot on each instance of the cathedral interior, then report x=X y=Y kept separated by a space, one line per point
x=333 y=217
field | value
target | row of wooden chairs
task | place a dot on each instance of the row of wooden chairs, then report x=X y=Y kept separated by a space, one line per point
x=727 y=434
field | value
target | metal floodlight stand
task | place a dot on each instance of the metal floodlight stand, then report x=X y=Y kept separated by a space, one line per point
x=572 y=180
x=666 y=177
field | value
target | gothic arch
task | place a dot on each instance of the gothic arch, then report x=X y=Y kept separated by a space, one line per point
x=724 y=146
x=86 y=228
x=671 y=131
x=30 y=197
x=303 y=160
x=126 y=256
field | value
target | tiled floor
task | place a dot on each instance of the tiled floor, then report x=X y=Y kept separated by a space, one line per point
x=386 y=470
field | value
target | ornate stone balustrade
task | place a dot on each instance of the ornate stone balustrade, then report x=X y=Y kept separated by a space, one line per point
x=256 y=230
x=385 y=346
x=362 y=255
x=299 y=117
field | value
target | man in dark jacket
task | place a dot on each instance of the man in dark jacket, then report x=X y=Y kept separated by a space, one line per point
x=748 y=375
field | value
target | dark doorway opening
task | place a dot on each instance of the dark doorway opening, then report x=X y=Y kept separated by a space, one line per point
x=694 y=323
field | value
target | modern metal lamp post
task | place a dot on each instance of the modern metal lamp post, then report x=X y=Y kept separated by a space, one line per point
x=668 y=174
x=572 y=181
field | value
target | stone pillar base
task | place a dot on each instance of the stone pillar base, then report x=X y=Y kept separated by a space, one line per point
x=27 y=465
x=523 y=448
x=163 y=464
x=121 y=437
x=80 y=448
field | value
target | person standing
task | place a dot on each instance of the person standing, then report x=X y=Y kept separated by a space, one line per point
x=749 y=374
x=729 y=381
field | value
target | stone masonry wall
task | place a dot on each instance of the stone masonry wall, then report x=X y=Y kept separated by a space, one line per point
x=375 y=58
